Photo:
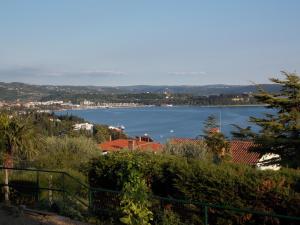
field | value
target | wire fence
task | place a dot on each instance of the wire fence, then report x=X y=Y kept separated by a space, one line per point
x=52 y=190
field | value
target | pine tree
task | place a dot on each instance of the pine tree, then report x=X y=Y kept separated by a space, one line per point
x=280 y=131
x=209 y=124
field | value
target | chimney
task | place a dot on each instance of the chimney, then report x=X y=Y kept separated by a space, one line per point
x=214 y=130
x=109 y=137
x=131 y=144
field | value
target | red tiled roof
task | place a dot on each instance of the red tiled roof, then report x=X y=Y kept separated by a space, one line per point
x=150 y=146
x=185 y=140
x=240 y=151
x=120 y=144
x=214 y=130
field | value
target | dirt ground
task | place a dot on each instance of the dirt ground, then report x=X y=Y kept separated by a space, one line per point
x=10 y=217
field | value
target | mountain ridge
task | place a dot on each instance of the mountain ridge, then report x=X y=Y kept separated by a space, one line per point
x=22 y=91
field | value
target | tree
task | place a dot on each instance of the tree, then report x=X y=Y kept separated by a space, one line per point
x=280 y=131
x=16 y=141
x=101 y=133
x=135 y=201
x=215 y=140
x=66 y=153
x=242 y=133
x=210 y=123
x=188 y=150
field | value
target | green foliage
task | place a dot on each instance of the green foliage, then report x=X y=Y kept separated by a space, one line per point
x=197 y=180
x=242 y=133
x=51 y=125
x=210 y=123
x=101 y=133
x=201 y=95
x=17 y=138
x=170 y=218
x=215 y=140
x=135 y=201
x=280 y=132
x=66 y=153
x=188 y=150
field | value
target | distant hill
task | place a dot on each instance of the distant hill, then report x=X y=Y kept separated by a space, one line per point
x=21 y=91
x=200 y=90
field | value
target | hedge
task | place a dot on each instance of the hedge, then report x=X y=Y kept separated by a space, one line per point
x=197 y=180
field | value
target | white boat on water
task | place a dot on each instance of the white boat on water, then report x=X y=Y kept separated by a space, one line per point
x=117 y=128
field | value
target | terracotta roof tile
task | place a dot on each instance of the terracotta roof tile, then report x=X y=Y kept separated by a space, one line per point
x=185 y=140
x=241 y=152
x=120 y=144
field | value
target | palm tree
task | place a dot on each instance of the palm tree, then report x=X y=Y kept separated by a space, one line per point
x=16 y=138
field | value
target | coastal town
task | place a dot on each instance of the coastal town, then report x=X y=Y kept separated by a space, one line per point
x=167 y=100
x=48 y=106
x=149 y=112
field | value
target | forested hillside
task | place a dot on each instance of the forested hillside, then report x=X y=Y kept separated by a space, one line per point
x=21 y=91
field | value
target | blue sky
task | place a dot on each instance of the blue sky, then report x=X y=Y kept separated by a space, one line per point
x=126 y=42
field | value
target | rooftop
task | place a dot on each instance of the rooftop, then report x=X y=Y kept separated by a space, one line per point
x=240 y=150
x=120 y=144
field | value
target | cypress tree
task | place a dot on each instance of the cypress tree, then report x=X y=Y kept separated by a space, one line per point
x=215 y=140
x=280 y=131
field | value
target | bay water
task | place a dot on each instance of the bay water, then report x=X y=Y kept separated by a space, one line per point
x=162 y=123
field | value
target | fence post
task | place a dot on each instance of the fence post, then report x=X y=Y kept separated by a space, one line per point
x=64 y=190
x=90 y=200
x=37 y=186
x=6 y=185
x=205 y=215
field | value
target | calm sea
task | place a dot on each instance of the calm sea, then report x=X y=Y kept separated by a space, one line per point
x=162 y=123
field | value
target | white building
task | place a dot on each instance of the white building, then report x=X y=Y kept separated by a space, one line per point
x=265 y=158
x=84 y=126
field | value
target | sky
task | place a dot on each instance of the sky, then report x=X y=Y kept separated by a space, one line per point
x=148 y=42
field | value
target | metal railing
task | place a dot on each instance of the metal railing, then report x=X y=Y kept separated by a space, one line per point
x=40 y=186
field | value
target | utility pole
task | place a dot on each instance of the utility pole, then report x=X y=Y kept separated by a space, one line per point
x=220 y=121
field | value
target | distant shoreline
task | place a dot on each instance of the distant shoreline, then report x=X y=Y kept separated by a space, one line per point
x=148 y=106
x=249 y=105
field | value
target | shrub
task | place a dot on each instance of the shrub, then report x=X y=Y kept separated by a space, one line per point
x=197 y=180
x=188 y=150
x=135 y=201
x=66 y=153
x=170 y=218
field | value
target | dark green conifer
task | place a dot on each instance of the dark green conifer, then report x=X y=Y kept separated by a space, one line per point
x=280 y=131
x=215 y=140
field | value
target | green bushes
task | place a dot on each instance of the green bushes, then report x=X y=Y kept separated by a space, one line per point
x=196 y=180
x=135 y=201
x=67 y=153
x=188 y=150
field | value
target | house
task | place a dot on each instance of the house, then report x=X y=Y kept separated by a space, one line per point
x=83 y=126
x=185 y=140
x=130 y=144
x=241 y=152
x=87 y=103
x=117 y=129
x=54 y=120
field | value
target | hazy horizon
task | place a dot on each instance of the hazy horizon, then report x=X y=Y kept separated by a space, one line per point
x=133 y=85
x=139 y=42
